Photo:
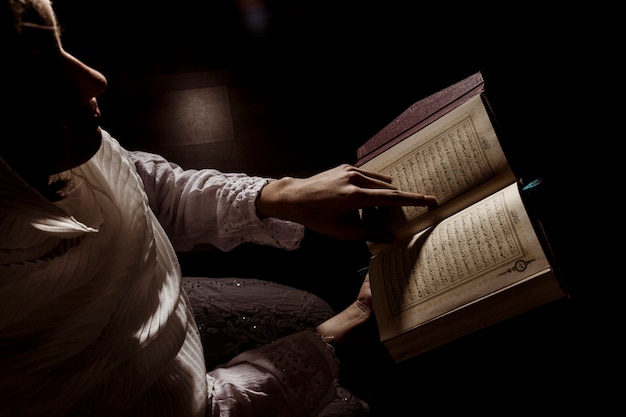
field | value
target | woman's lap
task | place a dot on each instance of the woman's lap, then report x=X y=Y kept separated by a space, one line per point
x=236 y=314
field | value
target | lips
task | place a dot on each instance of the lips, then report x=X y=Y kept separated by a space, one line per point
x=95 y=114
x=95 y=109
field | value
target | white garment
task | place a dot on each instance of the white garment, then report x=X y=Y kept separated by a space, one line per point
x=185 y=203
x=94 y=321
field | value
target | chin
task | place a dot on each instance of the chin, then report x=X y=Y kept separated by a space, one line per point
x=90 y=147
x=83 y=150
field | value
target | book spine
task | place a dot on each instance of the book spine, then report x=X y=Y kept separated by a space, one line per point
x=419 y=115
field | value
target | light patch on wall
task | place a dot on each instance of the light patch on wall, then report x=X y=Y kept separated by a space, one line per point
x=194 y=116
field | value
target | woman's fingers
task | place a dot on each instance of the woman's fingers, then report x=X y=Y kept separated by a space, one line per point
x=376 y=176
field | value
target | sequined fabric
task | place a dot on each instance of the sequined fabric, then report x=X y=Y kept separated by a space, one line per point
x=263 y=330
x=238 y=314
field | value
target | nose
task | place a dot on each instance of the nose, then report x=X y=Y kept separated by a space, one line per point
x=85 y=81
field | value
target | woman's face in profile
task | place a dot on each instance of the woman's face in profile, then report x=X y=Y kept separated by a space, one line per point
x=54 y=116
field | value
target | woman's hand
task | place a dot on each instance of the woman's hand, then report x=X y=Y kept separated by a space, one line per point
x=329 y=202
x=338 y=327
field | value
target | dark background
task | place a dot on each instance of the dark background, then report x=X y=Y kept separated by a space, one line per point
x=321 y=79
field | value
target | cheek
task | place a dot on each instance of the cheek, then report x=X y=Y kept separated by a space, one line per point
x=47 y=132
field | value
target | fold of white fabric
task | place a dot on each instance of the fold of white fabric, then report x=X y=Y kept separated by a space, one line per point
x=115 y=331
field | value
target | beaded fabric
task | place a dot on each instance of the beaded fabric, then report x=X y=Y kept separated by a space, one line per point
x=235 y=314
x=249 y=321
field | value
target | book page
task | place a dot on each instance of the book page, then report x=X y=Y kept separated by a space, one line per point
x=456 y=153
x=478 y=251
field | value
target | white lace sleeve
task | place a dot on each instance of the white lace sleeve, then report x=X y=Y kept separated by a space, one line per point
x=209 y=206
x=296 y=375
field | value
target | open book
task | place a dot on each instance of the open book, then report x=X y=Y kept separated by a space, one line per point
x=480 y=256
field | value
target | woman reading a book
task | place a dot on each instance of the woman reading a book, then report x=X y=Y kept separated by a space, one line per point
x=96 y=317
